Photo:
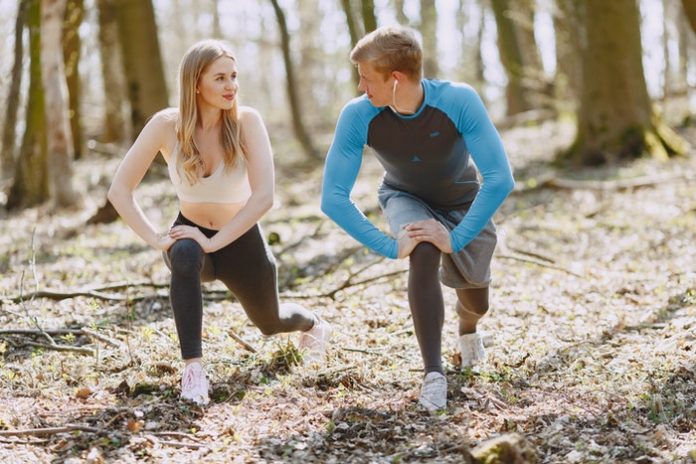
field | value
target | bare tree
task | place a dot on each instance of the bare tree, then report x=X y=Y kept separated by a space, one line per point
x=616 y=120
x=291 y=83
x=428 y=29
x=74 y=14
x=9 y=129
x=116 y=126
x=690 y=10
x=354 y=34
x=368 y=14
x=147 y=88
x=30 y=184
x=511 y=57
x=568 y=23
x=58 y=135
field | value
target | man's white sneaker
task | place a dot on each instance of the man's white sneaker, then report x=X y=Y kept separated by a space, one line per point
x=194 y=384
x=471 y=348
x=433 y=394
x=313 y=341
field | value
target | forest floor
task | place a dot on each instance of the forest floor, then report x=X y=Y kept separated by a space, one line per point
x=592 y=330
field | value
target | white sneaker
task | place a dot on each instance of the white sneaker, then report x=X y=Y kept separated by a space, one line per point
x=433 y=392
x=471 y=348
x=194 y=384
x=313 y=341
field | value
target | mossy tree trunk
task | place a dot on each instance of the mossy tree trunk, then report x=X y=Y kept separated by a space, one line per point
x=147 y=88
x=74 y=14
x=428 y=29
x=57 y=110
x=7 y=161
x=616 y=120
x=30 y=185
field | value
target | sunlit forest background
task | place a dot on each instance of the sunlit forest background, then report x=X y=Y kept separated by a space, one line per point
x=591 y=336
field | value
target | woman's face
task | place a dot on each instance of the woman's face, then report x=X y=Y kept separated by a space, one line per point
x=217 y=86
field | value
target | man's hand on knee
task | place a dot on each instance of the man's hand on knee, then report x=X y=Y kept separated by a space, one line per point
x=430 y=230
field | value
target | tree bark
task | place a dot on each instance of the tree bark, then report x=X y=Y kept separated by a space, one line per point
x=568 y=23
x=217 y=30
x=428 y=29
x=116 y=126
x=58 y=135
x=295 y=106
x=147 y=88
x=511 y=58
x=537 y=86
x=368 y=14
x=354 y=35
x=616 y=121
x=74 y=14
x=690 y=11
x=400 y=13
x=7 y=162
x=30 y=186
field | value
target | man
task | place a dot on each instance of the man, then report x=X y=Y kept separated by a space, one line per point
x=423 y=132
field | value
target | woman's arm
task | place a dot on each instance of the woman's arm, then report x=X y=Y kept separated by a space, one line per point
x=131 y=172
x=259 y=160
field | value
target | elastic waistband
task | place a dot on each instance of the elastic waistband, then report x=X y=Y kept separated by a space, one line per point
x=181 y=219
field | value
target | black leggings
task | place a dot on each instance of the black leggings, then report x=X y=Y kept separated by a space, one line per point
x=247 y=267
x=427 y=306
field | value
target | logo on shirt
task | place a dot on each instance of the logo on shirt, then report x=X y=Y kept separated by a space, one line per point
x=416 y=159
x=434 y=134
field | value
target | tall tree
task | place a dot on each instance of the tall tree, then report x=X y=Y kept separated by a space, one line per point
x=536 y=83
x=7 y=161
x=354 y=34
x=568 y=24
x=428 y=29
x=72 y=45
x=400 y=13
x=30 y=185
x=58 y=135
x=616 y=120
x=147 y=88
x=516 y=97
x=368 y=15
x=298 y=125
x=690 y=10
x=115 y=127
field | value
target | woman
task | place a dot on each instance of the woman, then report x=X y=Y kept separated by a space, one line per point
x=221 y=166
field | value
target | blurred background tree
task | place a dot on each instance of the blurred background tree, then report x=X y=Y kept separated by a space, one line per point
x=623 y=71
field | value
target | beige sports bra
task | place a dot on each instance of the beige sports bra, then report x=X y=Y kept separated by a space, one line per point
x=221 y=186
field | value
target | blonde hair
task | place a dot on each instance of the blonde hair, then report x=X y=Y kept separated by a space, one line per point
x=194 y=63
x=390 y=49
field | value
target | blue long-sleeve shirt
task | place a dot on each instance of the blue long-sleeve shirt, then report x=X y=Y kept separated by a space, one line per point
x=425 y=154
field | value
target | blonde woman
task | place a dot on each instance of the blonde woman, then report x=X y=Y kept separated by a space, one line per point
x=221 y=167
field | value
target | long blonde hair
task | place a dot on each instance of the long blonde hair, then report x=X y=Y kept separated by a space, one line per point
x=193 y=65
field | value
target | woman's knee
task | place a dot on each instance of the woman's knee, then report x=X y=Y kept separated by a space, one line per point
x=186 y=255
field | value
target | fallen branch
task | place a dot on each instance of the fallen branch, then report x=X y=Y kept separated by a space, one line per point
x=176 y=434
x=239 y=340
x=602 y=185
x=539 y=263
x=176 y=444
x=49 y=431
x=83 y=331
x=56 y=347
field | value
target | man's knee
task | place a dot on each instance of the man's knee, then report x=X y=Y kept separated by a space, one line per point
x=269 y=327
x=472 y=301
x=425 y=253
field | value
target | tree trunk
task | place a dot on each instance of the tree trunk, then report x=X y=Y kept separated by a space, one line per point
x=537 y=86
x=690 y=10
x=295 y=106
x=616 y=121
x=217 y=30
x=30 y=186
x=58 y=136
x=400 y=13
x=568 y=23
x=511 y=58
x=368 y=14
x=354 y=35
x=115 y=127
x=147 y=88
x=428 y=29
x=7 y=162
x=74 y=14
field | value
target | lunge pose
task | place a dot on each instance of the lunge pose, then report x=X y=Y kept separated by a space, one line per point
x=430 y=136
x=221 y=167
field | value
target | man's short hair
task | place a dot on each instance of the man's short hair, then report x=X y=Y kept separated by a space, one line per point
x=391 y=49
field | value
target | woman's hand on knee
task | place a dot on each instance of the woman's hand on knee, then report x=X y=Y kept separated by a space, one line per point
x=194 y=233
x=164 y=242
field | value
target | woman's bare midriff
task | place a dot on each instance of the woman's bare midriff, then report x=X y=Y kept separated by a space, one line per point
x=210 y=215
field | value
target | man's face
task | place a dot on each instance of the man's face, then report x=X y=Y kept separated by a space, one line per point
x=373 y=83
